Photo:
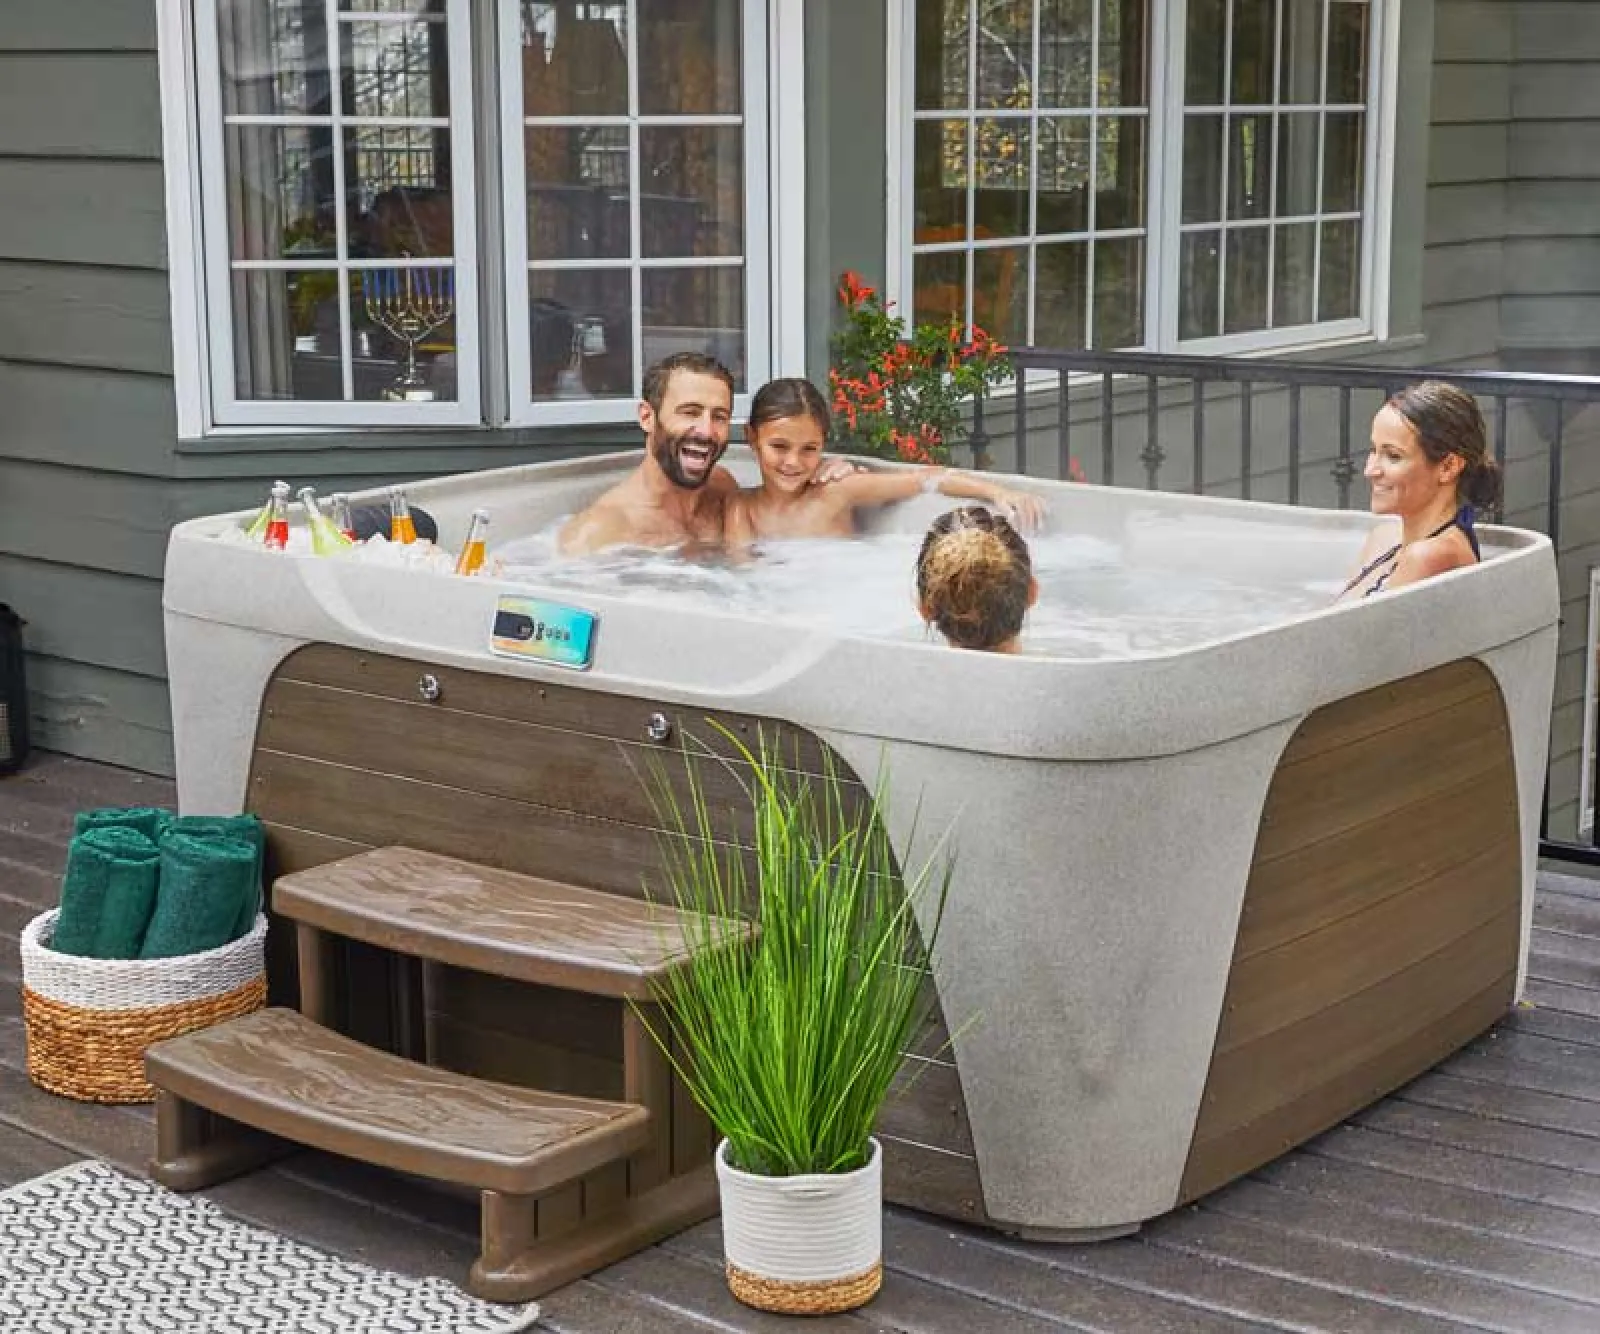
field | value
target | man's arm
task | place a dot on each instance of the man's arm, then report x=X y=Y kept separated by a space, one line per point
x=595 y=528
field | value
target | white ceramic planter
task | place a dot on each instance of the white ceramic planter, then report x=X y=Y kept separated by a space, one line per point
x=803 y=1245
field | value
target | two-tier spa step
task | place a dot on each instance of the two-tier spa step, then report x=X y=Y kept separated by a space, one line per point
x=568 y=1184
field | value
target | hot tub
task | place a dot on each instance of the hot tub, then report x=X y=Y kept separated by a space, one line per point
x=1208 y=901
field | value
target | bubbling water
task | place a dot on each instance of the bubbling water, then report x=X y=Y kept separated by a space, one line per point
x=1094 y=602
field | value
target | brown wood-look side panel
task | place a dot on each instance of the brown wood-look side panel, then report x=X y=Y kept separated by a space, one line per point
x=548 y=780
x=1381 y=921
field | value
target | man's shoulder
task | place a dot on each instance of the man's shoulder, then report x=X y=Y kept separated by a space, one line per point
x=597 y=524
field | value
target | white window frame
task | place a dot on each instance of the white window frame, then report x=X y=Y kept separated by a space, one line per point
x=203 y=366
x=755 y=262
x=1164 y=162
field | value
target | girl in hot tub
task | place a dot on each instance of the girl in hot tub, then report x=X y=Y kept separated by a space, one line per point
x=975 y=580
x=1430 y=468
x=789 y=423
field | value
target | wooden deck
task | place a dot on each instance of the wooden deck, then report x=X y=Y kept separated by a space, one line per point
x=1469 y=1200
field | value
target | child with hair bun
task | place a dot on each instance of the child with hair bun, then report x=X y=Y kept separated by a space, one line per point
x=975 y=580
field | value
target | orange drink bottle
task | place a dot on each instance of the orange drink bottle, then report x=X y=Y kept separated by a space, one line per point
x=325 y=538
x=470 y=561
x=258 y=525
x=277 y=534
x=339 y=503
x=401 y=527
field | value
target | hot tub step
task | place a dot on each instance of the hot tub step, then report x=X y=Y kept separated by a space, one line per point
x=278 y=1072
x=233 y=1096
x=493 y=921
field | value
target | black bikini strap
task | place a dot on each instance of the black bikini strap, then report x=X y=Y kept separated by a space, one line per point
x=1370 y=566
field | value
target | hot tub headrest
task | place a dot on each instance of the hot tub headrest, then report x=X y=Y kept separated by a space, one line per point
x=374 y=518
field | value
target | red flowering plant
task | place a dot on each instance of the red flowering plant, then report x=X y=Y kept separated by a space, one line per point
x=902 y=396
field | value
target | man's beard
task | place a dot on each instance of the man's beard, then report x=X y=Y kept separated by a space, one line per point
x=665 y=449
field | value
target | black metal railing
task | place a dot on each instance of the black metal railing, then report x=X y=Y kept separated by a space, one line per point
x=1098 y=399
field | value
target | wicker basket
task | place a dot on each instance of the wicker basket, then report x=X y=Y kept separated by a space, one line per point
x=88 y=1021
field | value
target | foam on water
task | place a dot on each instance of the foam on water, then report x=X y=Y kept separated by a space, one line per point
x=1093 y=602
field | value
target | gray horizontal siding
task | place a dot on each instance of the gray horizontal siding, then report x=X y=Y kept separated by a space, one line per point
x=77 y=315
x=82 y=517
x=108 y=420
x=85 y=615
x=78 y=25
x=100 y=714
x=80 y=104
x=64 y=220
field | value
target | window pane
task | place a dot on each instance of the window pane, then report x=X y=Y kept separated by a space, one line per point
x=690 y=57
x=1294 y=267
x=1245 y=306
x=698 y=310
x=940 y=180
x=274 y=58
x=1204 y=51
x=939 y=284
x=574 y=66
x=1119 y=293
x=1005 y=53
x=1119 y=172
x=280 y=192
x=578 y=200
x=1249 y=166
x=403 y=334
x=691 y=199
x=286 y=335
x=1202 y=168
x=1061 y=294
x=395 y=69
x=1255 y=42
x=1301 y=52
x=1065 y=31
x=1199 y=267
x=1000 y=293
x=1342 y=162
x=1002 y=156
x=580 y=324
x=1297 y=164
x=1347 y=51
x=1339 y=296
x=397 y=182
x=389 y=6
x=943 y=50
x=1124 y=60
x=1063 y=174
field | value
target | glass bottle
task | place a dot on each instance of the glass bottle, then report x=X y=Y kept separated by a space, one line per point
x=401 y=527
x=326 y=539
x=339 y=503
x=277 y=532
x=470 y=561
x=257 y=528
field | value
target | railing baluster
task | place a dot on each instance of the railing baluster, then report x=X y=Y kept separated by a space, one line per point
x=1153 y=456
x=1108 y=433
x=1344 y=469
x=1245 y=428
x=978 y=441
x=1198 y=485
x=1019 y=417
x=1502 y=428
x=1294 y=444
x=1064 y=423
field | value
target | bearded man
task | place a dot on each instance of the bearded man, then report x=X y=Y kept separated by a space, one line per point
x=675 y=496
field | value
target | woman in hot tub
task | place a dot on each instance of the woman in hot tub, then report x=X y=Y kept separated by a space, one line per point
x=1430 y=469
x=789 y=424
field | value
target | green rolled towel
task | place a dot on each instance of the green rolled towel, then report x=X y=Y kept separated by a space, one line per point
x=148 y=820
x=205 y=880
x=107 y=894
x=246 y=827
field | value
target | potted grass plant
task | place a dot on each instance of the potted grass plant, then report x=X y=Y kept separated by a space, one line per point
x=791 y=1043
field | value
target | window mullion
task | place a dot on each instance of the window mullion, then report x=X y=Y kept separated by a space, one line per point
x=1034 y=135
x=635 y=207
x=341 y=197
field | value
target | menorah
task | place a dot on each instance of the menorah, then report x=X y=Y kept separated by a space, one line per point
x=409 y=304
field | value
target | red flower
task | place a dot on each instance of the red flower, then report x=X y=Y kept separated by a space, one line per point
x=1075 y=472
x=852 y=291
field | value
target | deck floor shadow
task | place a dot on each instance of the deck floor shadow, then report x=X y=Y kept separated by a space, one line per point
x=1468 y=1200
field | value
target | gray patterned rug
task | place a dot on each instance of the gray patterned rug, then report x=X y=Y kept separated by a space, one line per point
x=88 y=1250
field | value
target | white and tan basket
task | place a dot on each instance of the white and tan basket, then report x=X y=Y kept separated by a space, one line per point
x=88 y=1021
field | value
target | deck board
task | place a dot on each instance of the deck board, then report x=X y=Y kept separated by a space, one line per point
x=1470 y=1199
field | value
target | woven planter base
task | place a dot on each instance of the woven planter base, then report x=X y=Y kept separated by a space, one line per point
x=819 y=1298
x=98 y=1055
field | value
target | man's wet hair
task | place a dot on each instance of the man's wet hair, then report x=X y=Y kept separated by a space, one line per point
x=659 y=376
